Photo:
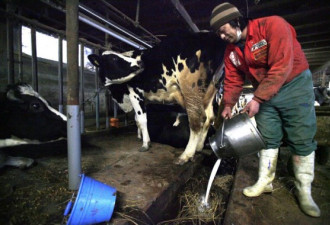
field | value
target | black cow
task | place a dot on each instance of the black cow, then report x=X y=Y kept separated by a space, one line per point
x=26 y=117
x=179 y=70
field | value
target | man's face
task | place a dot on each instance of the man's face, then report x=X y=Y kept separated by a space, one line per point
x=227 y=33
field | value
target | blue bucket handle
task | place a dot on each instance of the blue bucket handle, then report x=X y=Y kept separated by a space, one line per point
x=68 y=206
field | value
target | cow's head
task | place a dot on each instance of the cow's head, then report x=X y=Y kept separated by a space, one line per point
x=29 y=116
x=117 y=68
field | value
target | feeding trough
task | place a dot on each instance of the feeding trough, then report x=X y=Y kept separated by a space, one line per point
x=95 y=203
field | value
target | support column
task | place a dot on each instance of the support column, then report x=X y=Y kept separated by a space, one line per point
x=97 y=97
x=34 y=59
x=10 y=48
x=82 y=96
x=19 y=50
x=73 y=125
x=60 y=73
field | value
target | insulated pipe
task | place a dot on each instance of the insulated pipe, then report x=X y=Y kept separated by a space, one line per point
x=82 y=91
x=73 y=125
x=101 y=27
x=34 y=59
x=60 y=73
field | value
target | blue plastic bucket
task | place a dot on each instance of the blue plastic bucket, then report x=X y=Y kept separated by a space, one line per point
x=95 y=203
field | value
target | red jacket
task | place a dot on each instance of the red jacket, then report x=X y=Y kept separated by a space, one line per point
x=272 y=58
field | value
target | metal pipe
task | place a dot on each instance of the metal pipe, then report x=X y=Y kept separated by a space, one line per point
x=10 y=49
x=101 y=27
x=97 y=97
x=51 y=29
x=129 y=19
x=137 y=12
x=82 y=96
x=34 y=59
x=185 y=15
x=19 y=50
x=96 y=25
x=112 y=24
x=115 y=109
x=74 y=146
x=107 y=117
x=60 y=73
x=106 y=93
x=73 y=125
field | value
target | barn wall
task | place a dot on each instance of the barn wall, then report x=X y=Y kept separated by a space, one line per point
x=47 y=77
x=3 y=50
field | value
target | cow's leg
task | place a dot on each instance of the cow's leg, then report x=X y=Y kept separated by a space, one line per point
x=196 y=118
x=190 y=149
x=137 y=101
x=209 y=119
x=139 y=131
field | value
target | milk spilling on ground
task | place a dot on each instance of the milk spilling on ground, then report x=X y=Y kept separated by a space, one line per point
x=205 y=199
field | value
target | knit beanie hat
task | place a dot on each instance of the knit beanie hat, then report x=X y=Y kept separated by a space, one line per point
x=223 y=14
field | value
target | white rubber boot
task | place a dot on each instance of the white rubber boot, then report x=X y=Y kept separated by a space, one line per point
x=267 y=168
x=303 y=167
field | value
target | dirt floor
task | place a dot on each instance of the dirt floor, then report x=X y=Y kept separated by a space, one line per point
x=150 y=188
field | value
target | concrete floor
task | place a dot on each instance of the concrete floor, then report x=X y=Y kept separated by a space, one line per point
x=281 y=206
x=147 y=184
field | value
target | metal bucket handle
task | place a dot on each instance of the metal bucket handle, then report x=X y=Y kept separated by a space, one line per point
x=222 y=134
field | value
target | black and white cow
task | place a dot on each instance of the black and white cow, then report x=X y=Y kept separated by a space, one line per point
x=180 y=69
x=322 y=96
x=27 y=118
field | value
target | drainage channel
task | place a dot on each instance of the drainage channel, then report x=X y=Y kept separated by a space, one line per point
x=186 y=207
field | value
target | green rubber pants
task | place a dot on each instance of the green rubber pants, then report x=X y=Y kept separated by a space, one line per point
x=290 y=116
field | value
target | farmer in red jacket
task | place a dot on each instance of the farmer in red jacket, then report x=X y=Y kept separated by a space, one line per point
x=266 y=52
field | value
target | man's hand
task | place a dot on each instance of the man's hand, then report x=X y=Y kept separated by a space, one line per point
x=251 y=108
x=226 y=113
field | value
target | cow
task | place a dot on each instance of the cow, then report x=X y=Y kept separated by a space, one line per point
x=242 y=102
x=27 y=118
x=322 y=96
x=168 y=124
x=180 y=70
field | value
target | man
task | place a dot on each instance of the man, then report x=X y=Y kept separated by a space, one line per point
x=266 y=52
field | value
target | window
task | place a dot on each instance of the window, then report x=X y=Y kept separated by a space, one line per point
x=47 y=47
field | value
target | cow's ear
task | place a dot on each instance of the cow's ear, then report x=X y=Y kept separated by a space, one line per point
x=95 y=59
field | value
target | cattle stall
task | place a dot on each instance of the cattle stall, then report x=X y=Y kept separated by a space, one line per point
x=151 y=187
